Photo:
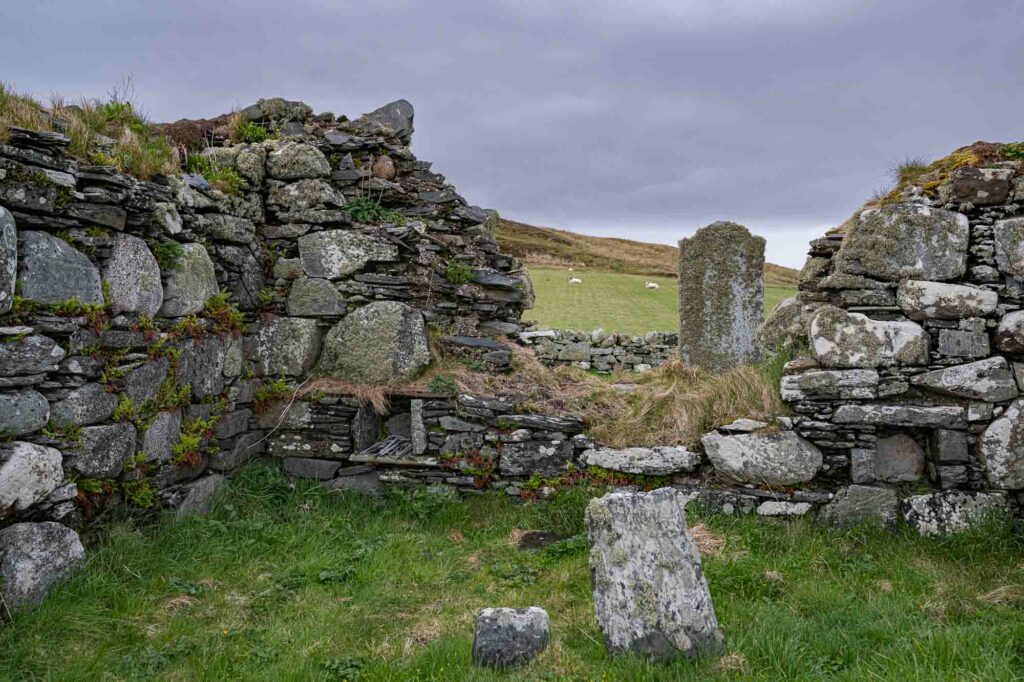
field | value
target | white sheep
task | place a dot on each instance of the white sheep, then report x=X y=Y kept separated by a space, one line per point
x=651 y=285
x=575 y=280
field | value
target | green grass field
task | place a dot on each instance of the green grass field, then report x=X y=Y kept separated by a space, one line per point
x=295 y=583
x=613 y=301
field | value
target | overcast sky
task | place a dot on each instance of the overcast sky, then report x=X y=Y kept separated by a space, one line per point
x=643 y=119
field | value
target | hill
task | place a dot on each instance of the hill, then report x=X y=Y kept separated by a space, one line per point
x=548 y=247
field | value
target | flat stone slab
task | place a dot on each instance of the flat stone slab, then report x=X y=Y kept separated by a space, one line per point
x=943 y=416
x=650 y=594
x=990 y=380
x=656 y=461
x=509 y=638
x=782 y=458
x=850 y=384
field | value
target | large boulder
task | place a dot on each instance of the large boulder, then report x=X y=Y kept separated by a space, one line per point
x=861 y=504
x=286 y=346
x=8 y=259
x=940 y=301
x=190 y=284
x=953 y=511
x=990 y=380
x=52 y=271
x=296 y=161
x=103 y=450
x=1009 y=238
x=332 y=254
x=657 y=461
x=382 y=342
x=650 y=594
x=29 y=355
x=133 y=277
x=89 y=404
x=852 y=340
x=905 y=240
x=781 y=458
x=508 y=638
x=1001 y=448
x=22 y=412
x=28 y=474
x=33 y=558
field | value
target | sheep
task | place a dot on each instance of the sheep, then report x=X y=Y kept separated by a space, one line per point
x=651 y=285
x=575 y=280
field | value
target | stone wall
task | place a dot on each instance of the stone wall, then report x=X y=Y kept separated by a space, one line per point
x=600 y=350
x=126 y=376
x=912 y=314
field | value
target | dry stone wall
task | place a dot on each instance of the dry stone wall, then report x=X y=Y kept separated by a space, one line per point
x=599 y=350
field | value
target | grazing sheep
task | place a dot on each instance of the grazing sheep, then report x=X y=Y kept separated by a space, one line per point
x=651 y=285
x=575 y=280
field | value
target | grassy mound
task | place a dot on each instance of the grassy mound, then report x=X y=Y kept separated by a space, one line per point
x=294 y=583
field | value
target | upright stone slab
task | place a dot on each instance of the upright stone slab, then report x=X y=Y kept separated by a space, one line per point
x=721 y=296
x=650 y=594
x=8 y=259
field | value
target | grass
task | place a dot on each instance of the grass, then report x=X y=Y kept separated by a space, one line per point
x=547 y=247
x=136 y=148
x=283 y=583
x=615 y=302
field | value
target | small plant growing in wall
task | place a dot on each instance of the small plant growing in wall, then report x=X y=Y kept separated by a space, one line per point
x=443 y=384
x=458 y=273
x=224 y=178
x=248 y=132
x=227 y=319
x=268 y=392
x=168 y=254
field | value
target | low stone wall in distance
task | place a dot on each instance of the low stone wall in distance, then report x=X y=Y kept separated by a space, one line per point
x=600 y=350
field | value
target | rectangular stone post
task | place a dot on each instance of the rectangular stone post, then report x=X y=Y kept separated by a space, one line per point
x=721 y=296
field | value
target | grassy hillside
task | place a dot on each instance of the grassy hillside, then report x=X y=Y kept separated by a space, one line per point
x=615 y=302
x=548 y=247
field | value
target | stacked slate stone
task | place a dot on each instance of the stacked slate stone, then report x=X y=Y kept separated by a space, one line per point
x=599 y=350
x=913 y=316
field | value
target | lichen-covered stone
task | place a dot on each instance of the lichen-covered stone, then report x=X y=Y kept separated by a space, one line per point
x=292 y=202
x=286 y=346
x=315 y=297
x=953 y=511
x=133 y=277
x=650 y=594
x=296 y=161
x=190 y=284
x=905 y=240
x=721 y=296
x=861 y=504
x=52 y=271
x=782 y=458
x=784 y=326
x=379 y=343
x=160 y=436
x=1009 y=243
x=849 y=384
x=33 y=558
x=201 y=365
x=544 y=457
x=939 y=416
x=852 y=340
x=1001 y=448
x=1009 y=335
x=509 y=638
x=143 y=382
x=396 y=116
x=29 y=355
x=22 y=412
x=333 y=254
x=28 y=474
x=8 y=259
x=656 y=461
x=941 y=301
x=103 y=450
x=981 y=186
x=990 y=380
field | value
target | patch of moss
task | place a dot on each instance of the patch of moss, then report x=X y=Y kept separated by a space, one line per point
x=458 y=273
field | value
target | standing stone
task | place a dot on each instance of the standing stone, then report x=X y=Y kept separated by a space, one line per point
x=508 y=638
x=33 y=558
x=721 y=296
x=650 y=594
x=381 y=342
x=1001 y=448
x=28 y=474
x=190 y=284
x=133 y=277
x=8 y=259
x=905 y=241
x=53 y=271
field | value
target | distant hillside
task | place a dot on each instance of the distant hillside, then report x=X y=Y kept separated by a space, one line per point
x=546 y=246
